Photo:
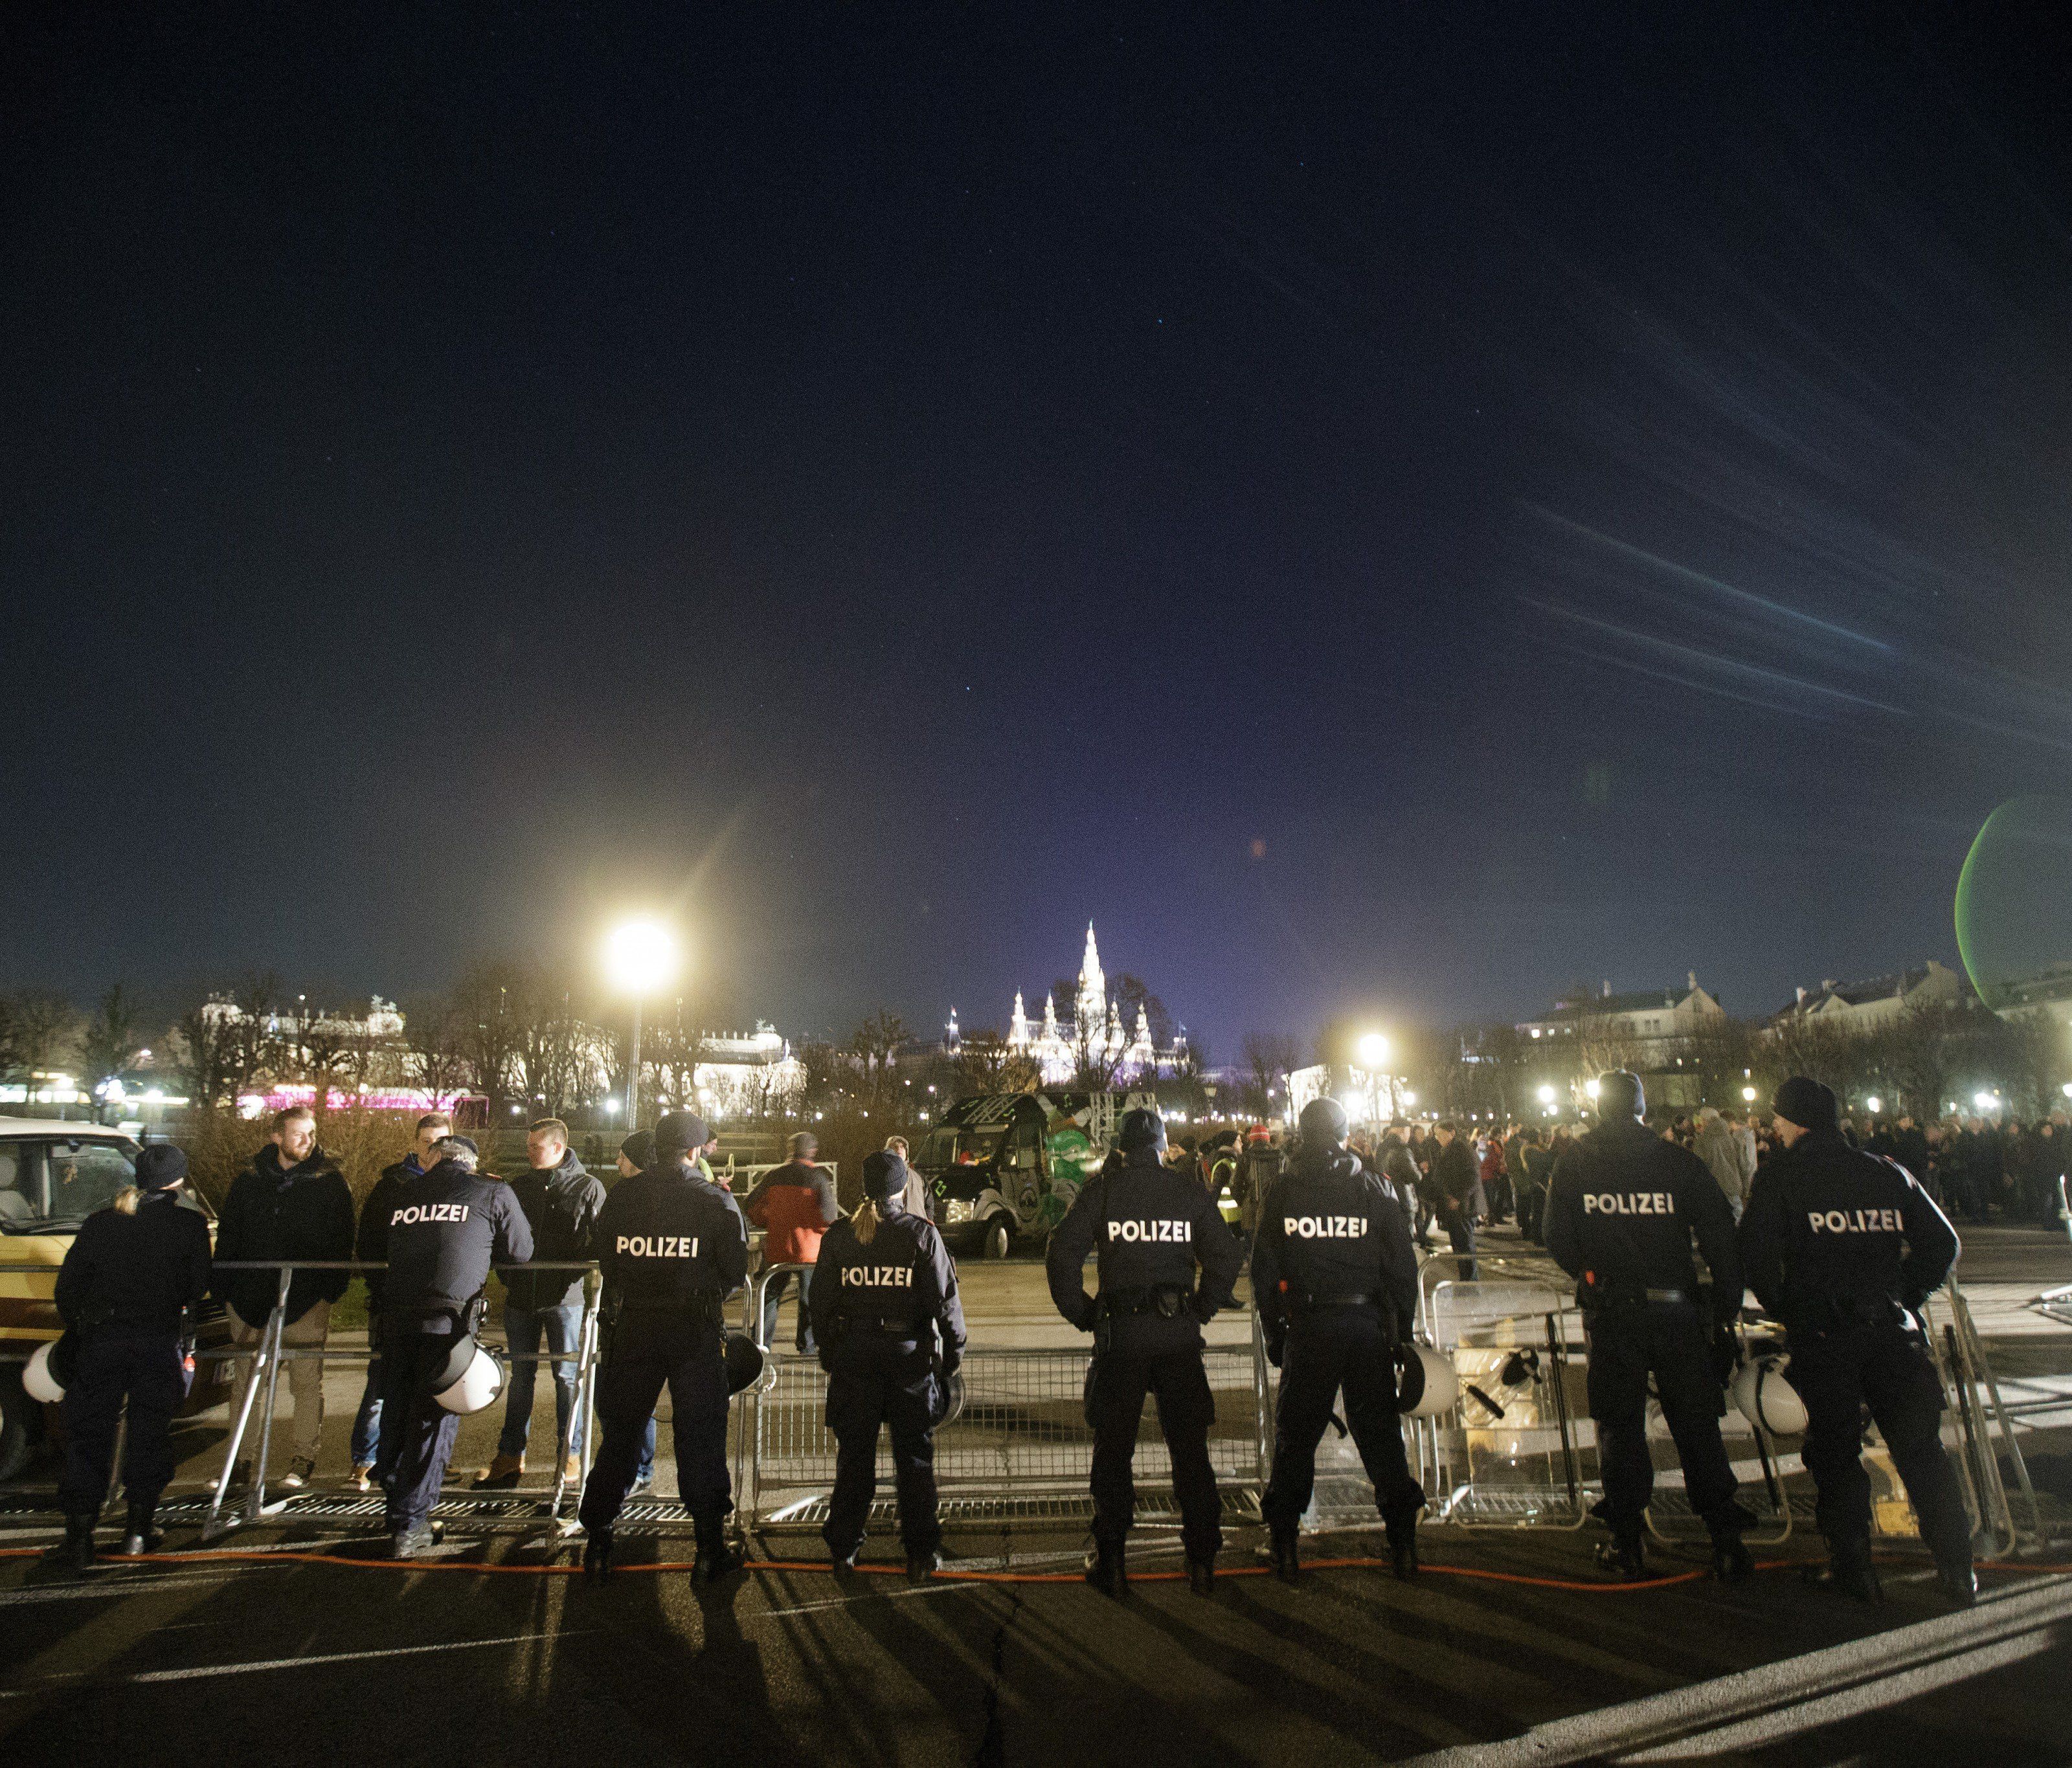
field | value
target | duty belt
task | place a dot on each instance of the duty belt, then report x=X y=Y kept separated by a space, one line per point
x=1363 y=1299
x=1170 y=1301
x=1595 y=1295
x=890 y=1329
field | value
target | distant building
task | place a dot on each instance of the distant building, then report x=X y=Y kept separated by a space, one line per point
x=1876 y=1001
x=1094 y=1030
x=2049 y=991
x=747 y=1073
x=1655 y=1022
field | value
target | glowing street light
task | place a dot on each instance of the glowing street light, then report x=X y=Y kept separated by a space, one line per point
x=1372 y=1049
x=1874 y=1104
x=1590 y=1087
x=1547 y=1095
x=1748 y=1094
x=639 y=956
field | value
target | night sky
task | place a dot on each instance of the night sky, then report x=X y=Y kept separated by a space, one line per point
x=1389 y=508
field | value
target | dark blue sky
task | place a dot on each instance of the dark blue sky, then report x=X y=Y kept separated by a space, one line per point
x=1584 y=490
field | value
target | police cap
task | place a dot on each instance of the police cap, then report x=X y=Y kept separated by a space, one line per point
x=1140 y=1131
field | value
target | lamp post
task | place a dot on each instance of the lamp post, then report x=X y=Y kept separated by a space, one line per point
x=639 y=956
x=1372 y=1050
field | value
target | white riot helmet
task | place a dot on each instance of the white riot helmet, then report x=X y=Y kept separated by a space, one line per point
x=472 y=1378
x=1765 y=1399
x=1426 y=1386
x=44 y=1379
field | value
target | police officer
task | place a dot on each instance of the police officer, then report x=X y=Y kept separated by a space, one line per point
x=1336 y=1280
x=891 y=1332
x=1149 y=1228
x=445 y=1229
x=1843 y=1247
x=127 y=1280
x=1622 y=1211
x=671 y=1247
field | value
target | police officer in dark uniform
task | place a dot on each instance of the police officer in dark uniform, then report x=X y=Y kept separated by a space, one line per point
x=891 y=1332
x=127 y=1280
x=1148 y=1228
x=1622 y=1209
x=1336 y=1279
x=672 y=1248
x=445 y=1229
x=1843 y=1247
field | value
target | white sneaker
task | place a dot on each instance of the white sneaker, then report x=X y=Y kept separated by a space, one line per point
x=240 y=1479
x=301 y=1471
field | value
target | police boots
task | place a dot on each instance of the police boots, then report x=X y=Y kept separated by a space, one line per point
x=141 y=1536
x=1403 y=1553
x=75 y=1553
x=1202 y=1576
x=1625 y=1555
x=1959 y=1581
x=1731 y=1561
x=597 y=1556
x=1283 y=1554
x=920 y=1566
x=1849 y=1571
x=1106 y=1571
x=716 y=1558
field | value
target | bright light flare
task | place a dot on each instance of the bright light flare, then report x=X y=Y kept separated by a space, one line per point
x=1373 y=1050
x=639 y=956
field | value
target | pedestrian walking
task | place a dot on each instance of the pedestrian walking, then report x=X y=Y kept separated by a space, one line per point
x=891 y=1333
x=1150 y=1230
x=129 y=1277
x=1457 y=1192
x=793 y=1204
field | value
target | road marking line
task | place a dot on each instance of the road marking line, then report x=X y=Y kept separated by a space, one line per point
x=1775 y=1693
x=862 y=1596
x=202 y=1672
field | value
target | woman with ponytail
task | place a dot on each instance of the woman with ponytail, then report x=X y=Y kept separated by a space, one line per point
x=890 y=1331
x=132 y=1271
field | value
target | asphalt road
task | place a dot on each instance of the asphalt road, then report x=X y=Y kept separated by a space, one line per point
x=246 y=1660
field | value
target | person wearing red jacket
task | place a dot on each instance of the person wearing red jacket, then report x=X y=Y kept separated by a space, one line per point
x=793 y=1205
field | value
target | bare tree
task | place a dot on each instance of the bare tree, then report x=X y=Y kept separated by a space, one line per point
x=987 y=1063
x=110 y=1043
x=1130 y=994
x=46 y=1032
x=489 y=1031
x=875 y=1045
x=434 y=1053
x=1269 y=1058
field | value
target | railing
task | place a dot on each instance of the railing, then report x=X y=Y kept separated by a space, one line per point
x=1517 y=1451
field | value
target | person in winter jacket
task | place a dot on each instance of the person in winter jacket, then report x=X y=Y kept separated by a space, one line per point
x=560 y=1200
x=1715 y=1146
x=793 y=1205
x=292 y=1203
x=1457 y=1193
x=372 y=1247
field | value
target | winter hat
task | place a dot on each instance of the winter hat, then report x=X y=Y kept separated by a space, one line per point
x=681 y=1133
x=639 y=1148
x=884 y=1175
x=1806 y=1103
x=159 y=1166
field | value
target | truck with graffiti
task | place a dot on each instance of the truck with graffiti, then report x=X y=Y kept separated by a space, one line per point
x=1001 y=1165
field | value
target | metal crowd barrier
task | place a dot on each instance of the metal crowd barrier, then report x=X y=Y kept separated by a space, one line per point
x=1517 y=1451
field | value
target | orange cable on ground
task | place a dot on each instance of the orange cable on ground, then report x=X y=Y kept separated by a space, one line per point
x=289 y=1557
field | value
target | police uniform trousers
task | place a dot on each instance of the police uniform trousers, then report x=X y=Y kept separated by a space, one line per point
x=1627 y=1344
x=1116 y=1384
x=651 y=1349
x=877 y=1379
x=1329 y=1349
x=1837 y=1373
x=416 y=1432
x=116 y=1362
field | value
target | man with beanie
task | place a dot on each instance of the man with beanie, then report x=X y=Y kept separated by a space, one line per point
x=129 y=1277
x=671 y=1247
x=1336 y=1279
x=891 y=1332
x=1148 y=1229
x=446 y=1231
x=793 y=1205
x=291 y=1203
x=1843 y=1247
x=1622 y=1211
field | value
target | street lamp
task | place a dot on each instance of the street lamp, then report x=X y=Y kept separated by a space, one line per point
x=639 y=956
x=1747 y=1096
x=1874 y=1105
x=1372 y=1049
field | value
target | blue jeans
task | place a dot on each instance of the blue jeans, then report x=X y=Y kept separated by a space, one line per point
x=562 y=1326
x=773 y=1293
x=367 y=1422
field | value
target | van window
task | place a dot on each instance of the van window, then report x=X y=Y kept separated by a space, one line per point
x=17 y=1183
x=86 y=1177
